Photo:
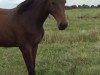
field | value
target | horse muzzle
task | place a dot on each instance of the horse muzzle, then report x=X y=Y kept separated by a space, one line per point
x=62 y=26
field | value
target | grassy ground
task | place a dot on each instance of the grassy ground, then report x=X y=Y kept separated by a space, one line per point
x=74 y=51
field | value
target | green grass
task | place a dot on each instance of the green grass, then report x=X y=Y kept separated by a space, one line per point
x=74 y=51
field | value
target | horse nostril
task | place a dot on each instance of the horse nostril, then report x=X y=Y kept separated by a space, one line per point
x=62 y=26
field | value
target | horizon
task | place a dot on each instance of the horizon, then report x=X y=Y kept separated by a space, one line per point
x=11 y=4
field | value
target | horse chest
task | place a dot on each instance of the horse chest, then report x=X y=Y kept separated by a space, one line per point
x=35 y=37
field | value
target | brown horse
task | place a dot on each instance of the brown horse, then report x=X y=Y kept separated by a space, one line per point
x=23 y=26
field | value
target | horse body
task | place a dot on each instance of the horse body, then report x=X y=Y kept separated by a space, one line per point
x=20 y=29
x=5 y=27
x=23 y=27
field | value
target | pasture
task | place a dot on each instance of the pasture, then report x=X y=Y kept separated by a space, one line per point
x=74 y=51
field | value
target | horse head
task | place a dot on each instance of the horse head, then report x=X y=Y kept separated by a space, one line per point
x=57 y=9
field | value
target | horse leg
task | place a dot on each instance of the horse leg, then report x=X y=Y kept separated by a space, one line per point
x=34 y=52
x=28 y=57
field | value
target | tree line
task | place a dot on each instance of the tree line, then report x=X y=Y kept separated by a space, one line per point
x=81 y=6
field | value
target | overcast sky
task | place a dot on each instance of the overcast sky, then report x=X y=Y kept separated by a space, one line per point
x=14 y=3
x=9 y=3
x=80 y=2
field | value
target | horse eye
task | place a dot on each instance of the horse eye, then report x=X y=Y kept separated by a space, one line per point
x=53 y=3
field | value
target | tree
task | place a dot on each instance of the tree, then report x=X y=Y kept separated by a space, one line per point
x=73 y=7
x=85 y=6
x=79 y=6
x=92 y=6
x=67 y=7
x=98 y=6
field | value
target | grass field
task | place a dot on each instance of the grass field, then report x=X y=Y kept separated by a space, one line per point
x=74 y=51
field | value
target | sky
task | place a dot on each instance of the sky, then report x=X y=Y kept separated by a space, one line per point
x=9 y=3
x=13 y=3
x=81 y=2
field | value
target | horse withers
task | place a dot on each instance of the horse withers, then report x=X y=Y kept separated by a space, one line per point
x=23 y=26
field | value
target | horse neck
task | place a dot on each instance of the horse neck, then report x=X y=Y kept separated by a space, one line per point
x=40 y=12
x=37 y=14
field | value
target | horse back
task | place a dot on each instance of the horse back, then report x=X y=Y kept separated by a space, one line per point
x=6 y=27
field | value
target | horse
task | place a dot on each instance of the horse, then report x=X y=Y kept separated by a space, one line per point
x=22 y=26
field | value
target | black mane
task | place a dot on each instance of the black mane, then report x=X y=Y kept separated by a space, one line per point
x=24 y=6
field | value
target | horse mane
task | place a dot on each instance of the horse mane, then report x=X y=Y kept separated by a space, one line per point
x=24 y=6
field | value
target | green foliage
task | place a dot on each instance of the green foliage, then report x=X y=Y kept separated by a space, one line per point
x=74 y=51
x=81 y=6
